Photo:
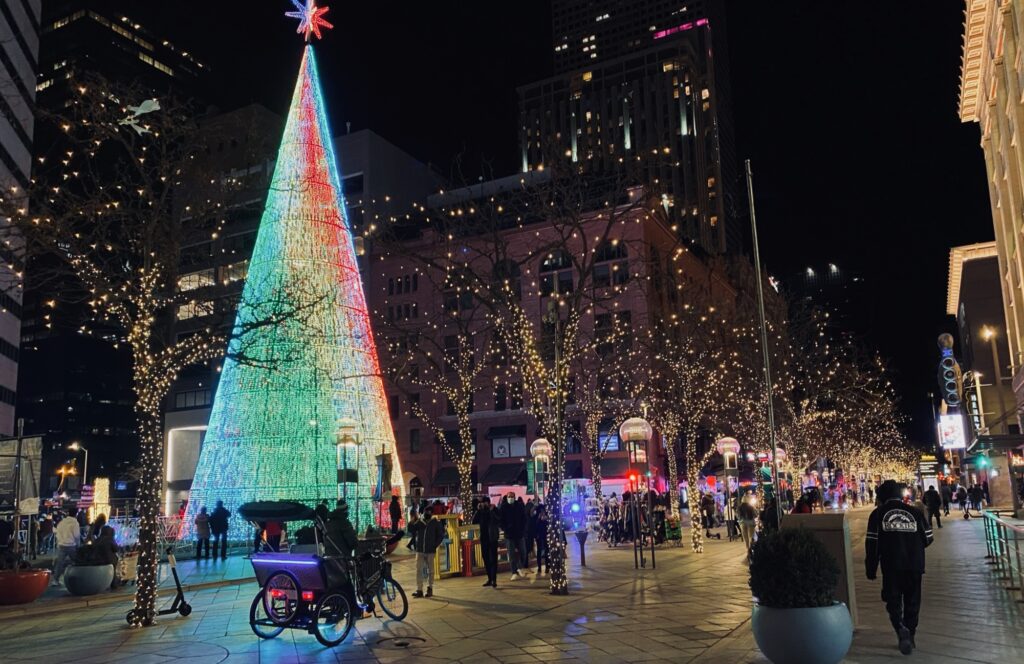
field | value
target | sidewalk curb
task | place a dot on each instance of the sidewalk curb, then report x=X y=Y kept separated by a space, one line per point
x=58 y=605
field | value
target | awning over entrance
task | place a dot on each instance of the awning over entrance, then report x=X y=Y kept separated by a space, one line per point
x=507 y=431
x=505 y=473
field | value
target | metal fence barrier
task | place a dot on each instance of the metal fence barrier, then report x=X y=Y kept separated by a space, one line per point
x=1003 y=544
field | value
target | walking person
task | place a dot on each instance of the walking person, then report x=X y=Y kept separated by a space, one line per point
x=219 y=529
x=531 y=530
x=69 y=537
x=747 y=517
x=395 y=512
x=933 y=503
x=976 y=494
x=488 y=520
x=430 y=534
x=541 y=532
x=513 y=522
x=947 y=497
x=896 y=538
x=202 y=522
x=961 y=497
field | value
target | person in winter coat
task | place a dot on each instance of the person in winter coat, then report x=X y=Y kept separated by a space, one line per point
x=68 y=536
x=896 y=538
x=487 y=518
x=429 y=533
x=976 y=494
x=513 y=522
x=219 y=530
x=961 y=497
x=340 y=537
x=202 y=522
x=933 y=503
x=747 y=517
x=947 y=497
x=395 y=512
x=531 y=529
x=708 y=511
x=541 y=533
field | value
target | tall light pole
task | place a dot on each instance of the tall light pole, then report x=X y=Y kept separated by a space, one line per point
x=77 y=447
x=346 y=439
x=764 y=343
x=989 y=334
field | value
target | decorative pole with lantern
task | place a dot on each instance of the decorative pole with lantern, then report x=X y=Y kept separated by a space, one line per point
x=729 y=448
x=540 y=451
x=637 y=433
x=346 y=440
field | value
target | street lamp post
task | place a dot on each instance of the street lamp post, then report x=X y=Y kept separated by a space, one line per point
x=764 y=340
x=637 y=432
x=77 y=447
x=346 y=440
x=989 y=334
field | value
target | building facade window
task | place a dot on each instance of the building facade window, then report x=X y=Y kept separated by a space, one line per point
x=193 y=280
x=414 y=441
x=508 y=448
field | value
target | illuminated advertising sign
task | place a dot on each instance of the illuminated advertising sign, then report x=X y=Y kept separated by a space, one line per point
x=951 y=432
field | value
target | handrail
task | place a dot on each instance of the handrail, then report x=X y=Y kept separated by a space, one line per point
x=1003 y=542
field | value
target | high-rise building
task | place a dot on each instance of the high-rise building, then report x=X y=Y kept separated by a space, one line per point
x=643 y=86
x=102 y=37
x=19 y=49
x=75 y=387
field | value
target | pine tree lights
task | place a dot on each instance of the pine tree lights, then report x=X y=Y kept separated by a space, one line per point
x=272 y=431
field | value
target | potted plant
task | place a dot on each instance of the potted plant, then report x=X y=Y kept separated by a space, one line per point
x=19 y=583
x=796 y=618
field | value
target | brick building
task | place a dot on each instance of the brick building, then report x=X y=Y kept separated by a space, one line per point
x=411 y=305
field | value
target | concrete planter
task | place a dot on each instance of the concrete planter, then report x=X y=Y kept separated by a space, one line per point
x=88 y=579
x=818 y=635
x=24 y=586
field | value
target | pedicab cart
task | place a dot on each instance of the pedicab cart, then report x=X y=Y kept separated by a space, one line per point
x=315 y=592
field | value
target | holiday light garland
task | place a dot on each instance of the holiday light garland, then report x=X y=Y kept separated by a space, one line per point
x=272 y=431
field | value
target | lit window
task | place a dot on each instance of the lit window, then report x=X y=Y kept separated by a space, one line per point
x=194 y=310
x=234 y=272
x=194 y=280
x=588 y=75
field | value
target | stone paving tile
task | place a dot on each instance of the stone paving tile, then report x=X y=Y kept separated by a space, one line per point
x=678 y=613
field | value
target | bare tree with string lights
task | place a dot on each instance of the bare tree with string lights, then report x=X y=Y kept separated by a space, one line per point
x=105 y=221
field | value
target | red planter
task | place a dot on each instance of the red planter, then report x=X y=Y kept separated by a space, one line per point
x=23 y=587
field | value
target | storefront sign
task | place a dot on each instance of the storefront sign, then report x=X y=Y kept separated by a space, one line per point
x=951 y=432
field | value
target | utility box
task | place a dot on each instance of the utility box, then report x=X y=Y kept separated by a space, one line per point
x=832 y=530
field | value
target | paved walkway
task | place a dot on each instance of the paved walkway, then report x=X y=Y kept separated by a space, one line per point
x=691 y=608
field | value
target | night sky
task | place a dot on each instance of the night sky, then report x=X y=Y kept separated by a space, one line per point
x=848 y=111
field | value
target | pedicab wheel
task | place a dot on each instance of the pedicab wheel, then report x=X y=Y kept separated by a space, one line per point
x=261 y=624
x=185 y=609
x=391 y=598
x=333 y=620
x=281 y=594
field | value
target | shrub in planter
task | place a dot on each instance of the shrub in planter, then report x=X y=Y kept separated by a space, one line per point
x=796 y=619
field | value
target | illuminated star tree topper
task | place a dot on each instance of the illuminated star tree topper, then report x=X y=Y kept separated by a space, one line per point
x=311 y=18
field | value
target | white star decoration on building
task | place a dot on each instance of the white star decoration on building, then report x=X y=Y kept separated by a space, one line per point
x=310 y=18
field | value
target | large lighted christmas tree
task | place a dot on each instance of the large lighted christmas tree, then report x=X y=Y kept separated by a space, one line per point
x=284 y=388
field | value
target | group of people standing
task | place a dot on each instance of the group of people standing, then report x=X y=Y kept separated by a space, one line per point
x=625 y=520
x=525 y=525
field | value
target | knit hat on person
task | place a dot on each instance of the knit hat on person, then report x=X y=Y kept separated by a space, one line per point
x=888 y=490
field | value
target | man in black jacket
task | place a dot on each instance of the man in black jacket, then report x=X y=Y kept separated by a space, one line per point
x=933 y=502
x=219 y=529
x=897 y=536
x=513 y=522
x=487 y=519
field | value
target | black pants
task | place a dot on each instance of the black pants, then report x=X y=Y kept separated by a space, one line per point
x=934 y=513
x=394 y=526
x=542 y=553
x=901 y=592
x=222 y=540
x=945 y=507
x=201 y=543
x=490 y=553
